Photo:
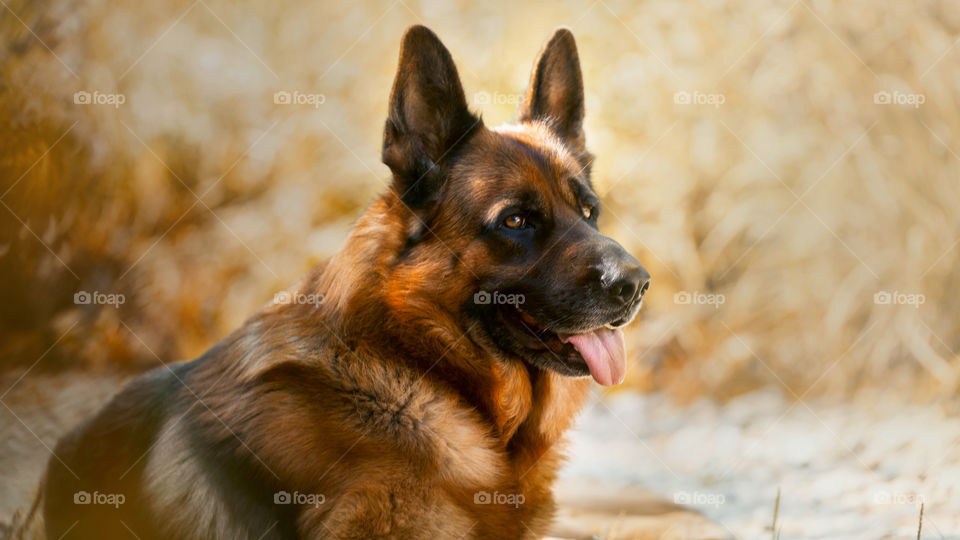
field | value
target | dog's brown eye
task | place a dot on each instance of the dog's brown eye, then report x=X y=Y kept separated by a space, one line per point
x=515 y=221
x=586 y=211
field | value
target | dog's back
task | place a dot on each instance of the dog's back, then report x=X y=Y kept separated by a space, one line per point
x=94 y=480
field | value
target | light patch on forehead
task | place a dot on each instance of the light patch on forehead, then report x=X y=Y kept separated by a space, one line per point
x=539 y=135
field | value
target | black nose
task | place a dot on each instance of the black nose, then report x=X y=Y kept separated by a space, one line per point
x=633 y=282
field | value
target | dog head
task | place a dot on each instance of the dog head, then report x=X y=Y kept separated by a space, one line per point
x=502 y=223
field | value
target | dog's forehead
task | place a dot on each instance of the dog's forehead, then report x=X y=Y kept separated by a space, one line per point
x=538 y=138
x=514 y=159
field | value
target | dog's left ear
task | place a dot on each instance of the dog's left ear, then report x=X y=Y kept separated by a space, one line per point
x=555 y=94
x=428 y=116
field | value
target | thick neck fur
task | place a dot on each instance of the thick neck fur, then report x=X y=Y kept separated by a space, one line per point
x=375 y=309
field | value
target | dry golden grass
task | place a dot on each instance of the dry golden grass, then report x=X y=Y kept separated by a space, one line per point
x=797 y=199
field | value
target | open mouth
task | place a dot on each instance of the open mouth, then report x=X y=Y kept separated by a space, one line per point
x=600 y=351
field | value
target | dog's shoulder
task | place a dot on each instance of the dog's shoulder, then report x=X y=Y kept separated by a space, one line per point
x=295 y=378
x=390 y=408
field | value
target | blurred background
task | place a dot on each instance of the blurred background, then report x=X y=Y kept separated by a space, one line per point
x=787 y=171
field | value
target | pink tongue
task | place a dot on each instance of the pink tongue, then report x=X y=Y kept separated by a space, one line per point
x=605 y=353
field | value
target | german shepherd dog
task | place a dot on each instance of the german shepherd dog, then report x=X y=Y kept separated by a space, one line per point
x=415 y=385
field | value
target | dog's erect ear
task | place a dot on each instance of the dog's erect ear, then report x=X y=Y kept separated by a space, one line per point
x=428 y=116
x=555 y=93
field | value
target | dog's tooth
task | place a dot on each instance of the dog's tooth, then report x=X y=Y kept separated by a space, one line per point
x=610 y=326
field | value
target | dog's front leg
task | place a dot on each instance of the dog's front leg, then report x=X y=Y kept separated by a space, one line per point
x=385 y=509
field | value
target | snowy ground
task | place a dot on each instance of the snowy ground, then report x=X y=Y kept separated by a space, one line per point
x=846 y=471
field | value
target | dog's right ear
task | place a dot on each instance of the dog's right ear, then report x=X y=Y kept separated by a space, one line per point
x=428 y=117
